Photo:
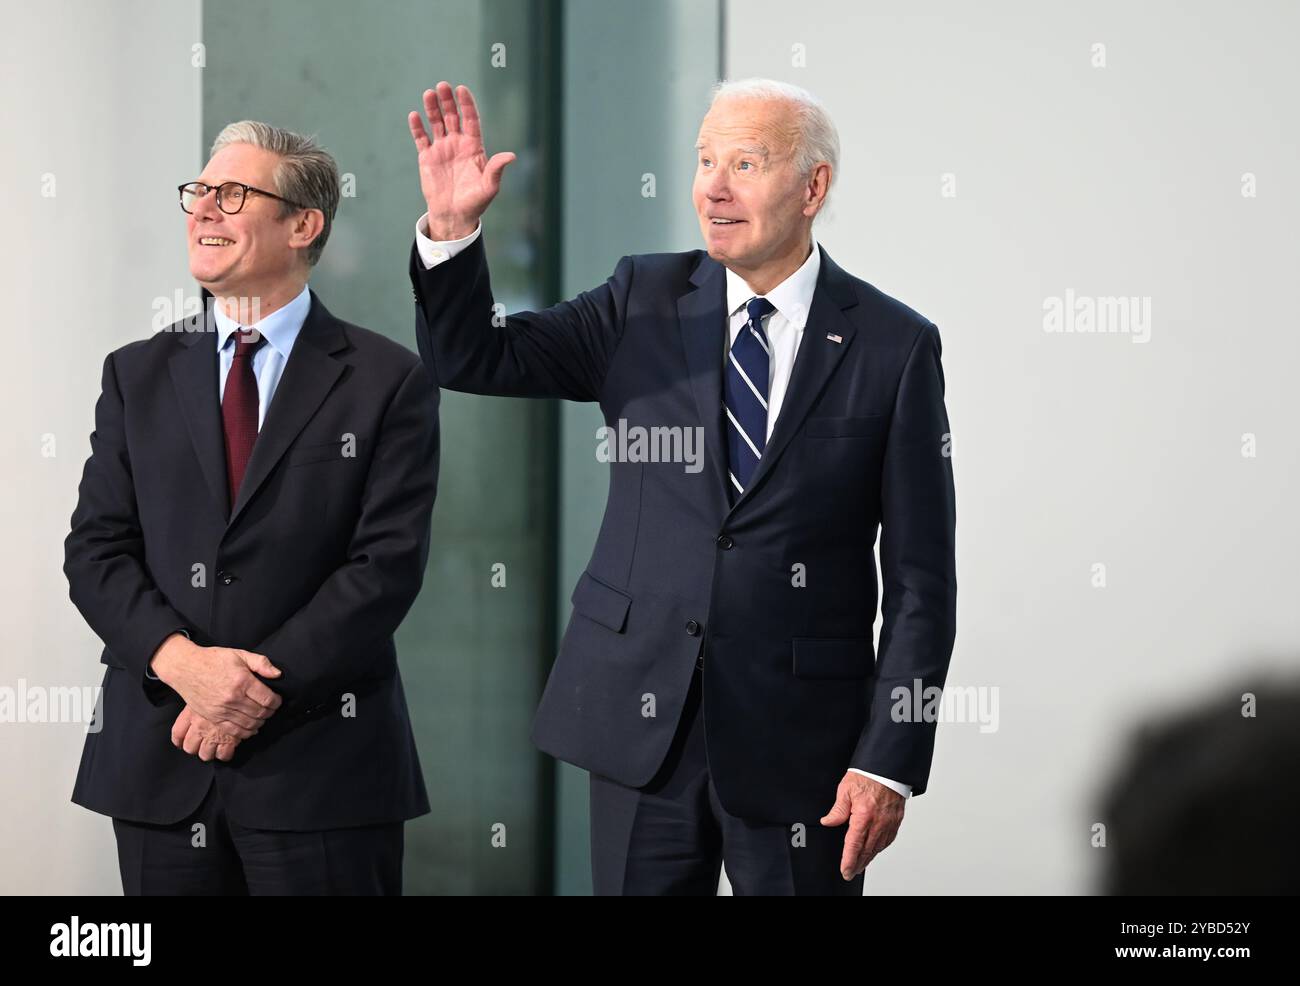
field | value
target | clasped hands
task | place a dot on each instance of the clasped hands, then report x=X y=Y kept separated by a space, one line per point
x=225 y=700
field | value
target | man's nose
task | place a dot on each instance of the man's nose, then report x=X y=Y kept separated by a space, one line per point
x=205 y=208
x=717 y=187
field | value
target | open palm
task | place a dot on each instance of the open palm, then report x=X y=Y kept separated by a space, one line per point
x=457 y=178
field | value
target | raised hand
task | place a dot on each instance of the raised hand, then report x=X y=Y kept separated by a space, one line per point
x=457 y=178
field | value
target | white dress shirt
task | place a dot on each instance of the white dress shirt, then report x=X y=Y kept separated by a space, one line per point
x=784 y=328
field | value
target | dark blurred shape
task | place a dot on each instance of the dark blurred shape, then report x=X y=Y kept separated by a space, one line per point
x=1207 y=801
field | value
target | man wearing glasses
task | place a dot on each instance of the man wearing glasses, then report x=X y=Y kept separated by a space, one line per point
x=252 y=526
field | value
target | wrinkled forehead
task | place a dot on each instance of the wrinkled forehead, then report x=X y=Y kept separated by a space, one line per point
x=243 y=163
x=749 y=126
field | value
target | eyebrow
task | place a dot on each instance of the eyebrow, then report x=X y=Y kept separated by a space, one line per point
x=757 y=149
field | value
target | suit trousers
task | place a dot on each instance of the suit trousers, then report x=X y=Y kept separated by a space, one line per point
x=672 y=836
x=210 y=853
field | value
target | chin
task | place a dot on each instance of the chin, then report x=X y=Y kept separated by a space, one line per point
x=207 y=277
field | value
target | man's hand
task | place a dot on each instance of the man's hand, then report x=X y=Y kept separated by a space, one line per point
x=874 y=813
x=219 y=683
x=458 y=180
x=196 y=735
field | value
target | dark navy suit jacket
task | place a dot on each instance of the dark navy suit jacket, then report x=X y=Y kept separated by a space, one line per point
x=793 y=691
x=315 y=567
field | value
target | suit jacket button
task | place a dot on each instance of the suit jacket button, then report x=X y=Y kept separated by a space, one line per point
x=692 y=628
x=725 y=542
x=225 y=577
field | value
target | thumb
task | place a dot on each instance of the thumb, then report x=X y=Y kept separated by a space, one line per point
x=495 y=167
x=259 y=663
x=840 y=812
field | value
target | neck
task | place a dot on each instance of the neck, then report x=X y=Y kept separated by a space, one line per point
x=250 y=305
x=770 y=273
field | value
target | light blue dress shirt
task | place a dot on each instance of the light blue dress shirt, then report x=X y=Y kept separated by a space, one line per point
x=281 y=329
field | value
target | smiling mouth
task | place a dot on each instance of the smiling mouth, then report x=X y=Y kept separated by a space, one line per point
x=215 y=241
x=725 y=222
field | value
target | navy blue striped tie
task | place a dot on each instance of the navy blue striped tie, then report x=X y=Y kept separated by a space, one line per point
x=745 y=397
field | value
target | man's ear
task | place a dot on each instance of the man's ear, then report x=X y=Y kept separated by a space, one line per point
x=306 y=228
x=817 y=187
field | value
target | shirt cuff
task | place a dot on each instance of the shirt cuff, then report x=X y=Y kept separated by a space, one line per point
x=435 y=252
x=148 y=668
x=904 y=789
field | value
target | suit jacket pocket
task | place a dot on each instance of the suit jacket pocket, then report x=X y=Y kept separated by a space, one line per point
x=600 y=602
x=326 y=452
x=864 y=427
x=826 y=657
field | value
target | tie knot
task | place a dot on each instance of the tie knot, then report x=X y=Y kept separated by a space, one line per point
x=757 y=308
x=247 y=341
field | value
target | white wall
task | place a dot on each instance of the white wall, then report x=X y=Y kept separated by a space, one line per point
x=103 y=98
x=1075 y=449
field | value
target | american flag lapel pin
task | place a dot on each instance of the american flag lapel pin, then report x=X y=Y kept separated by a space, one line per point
x=834 y=338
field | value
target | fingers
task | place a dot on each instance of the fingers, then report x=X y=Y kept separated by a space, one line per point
x=447 y=106
x=469 y=112
x=434 y=114
x=207 y=747
x=418 y=133
x=258 y=700
x=874 y=847
x=266 y=700
x=193 y=739
x=258 y=663
x=855 y=841
x=238 y=720
x=196 y=735
x=235 y=729
x=181 y=726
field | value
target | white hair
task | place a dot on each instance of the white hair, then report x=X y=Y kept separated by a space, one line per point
x=816 y=141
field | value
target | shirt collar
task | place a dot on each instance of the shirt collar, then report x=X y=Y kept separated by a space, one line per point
x=281 y=327
x=792 y=297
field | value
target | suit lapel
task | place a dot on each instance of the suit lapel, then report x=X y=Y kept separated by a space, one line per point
x=702 y=318
x=308 y=376
x=194 y=375
x=816 y=360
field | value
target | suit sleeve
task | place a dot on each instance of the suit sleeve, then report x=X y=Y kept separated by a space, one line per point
x=104 y=554
x=918 y=571
x=333 y=639
x=468 y=345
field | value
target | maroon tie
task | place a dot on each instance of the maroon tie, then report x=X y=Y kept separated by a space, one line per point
x=239 y=409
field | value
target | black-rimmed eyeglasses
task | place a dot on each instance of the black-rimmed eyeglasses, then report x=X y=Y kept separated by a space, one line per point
x=231 y=195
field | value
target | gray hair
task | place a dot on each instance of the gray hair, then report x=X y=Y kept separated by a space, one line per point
x=306 y=174
x=817 y=139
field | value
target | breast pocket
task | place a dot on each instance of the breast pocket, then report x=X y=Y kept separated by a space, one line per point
x=870 y=426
